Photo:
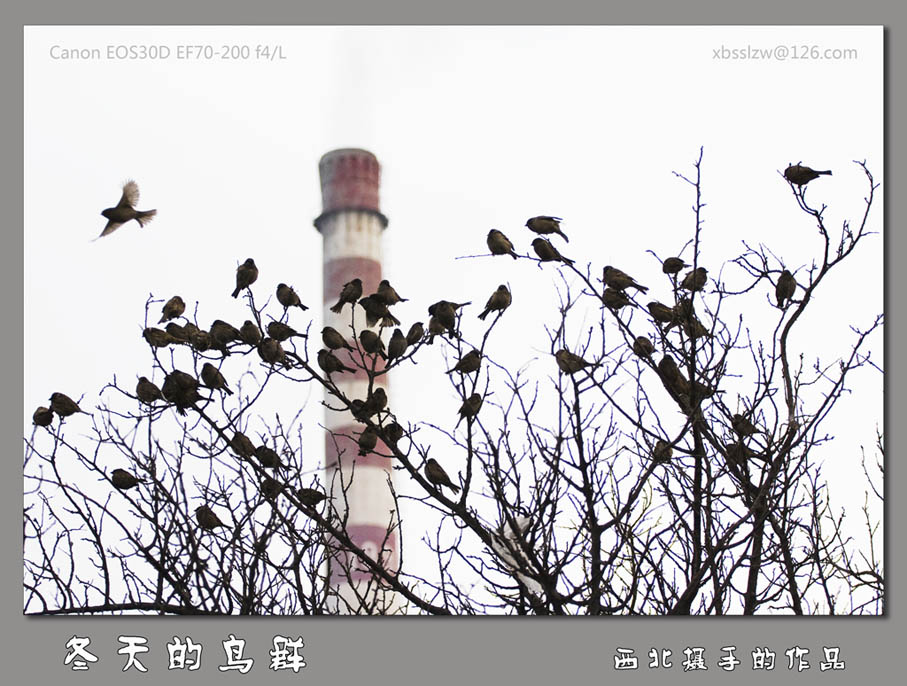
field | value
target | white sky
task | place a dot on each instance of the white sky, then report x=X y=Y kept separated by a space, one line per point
x=475 y=127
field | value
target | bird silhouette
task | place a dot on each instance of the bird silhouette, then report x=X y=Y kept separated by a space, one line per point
x=125 y=210
x=800 y=175
x=246 y=275
x=172 y=309
x=436 y=475
x=499 y=244
x=544 y=224
x=350 y=293
x=498 y=302
x=287 y=297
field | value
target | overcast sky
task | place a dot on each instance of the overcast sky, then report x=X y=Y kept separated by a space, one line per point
x=475 y=127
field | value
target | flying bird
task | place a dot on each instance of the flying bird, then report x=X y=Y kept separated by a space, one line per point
x=436 y=475
x=547 y=252
x=172 y=309
x=125 y=210
x=499 y=244
x=350 y=293
x=615 y=278
x=287 y=297
x=800 y=175
x=498 y=302
x=546 y=225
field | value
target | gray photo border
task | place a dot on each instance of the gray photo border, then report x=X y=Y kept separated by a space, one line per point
x=431 y=650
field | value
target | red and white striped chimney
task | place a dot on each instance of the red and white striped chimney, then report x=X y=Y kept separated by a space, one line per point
x=351 y=225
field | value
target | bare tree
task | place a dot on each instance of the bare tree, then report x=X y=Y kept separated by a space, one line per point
x=668 y=465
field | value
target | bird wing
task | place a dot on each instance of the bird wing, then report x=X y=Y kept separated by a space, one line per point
x=130 y=197
x=110 y=228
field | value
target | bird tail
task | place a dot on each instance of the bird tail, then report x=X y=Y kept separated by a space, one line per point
x=455 y=489
x=228 y=391
x=563 y=235
x=642 y=289
x=827 y=172
x=235 y=293
x=567 y=260
x=304 y=307
x=388 y=320
x=144 y=217
x=484 y=314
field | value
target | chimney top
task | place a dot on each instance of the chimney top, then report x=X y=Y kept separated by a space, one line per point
x=349 y=180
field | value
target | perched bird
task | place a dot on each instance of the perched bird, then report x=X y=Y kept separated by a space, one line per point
x=545 y=225
x=272 y=352
x=470 y=408
x=310 y=497
x=283 y=332
x=368 y=440
x=331 y=364
x=694 y=328
x=393 y=432
x=547 y=252
x=179 y=334
x=615 y=299
x=241 y=445
x=43 y=416
x=123 y=480
x=672 y=265
x=372 y=343
x=415 y=333
x=206 y=518
x=249 y=333
x=387 y=295
x=570 y=363
x=125 y=210
x=661 y=313
x=800 y=175
x=662 y=451
x=213 y=379
x=436 y=475
x=270 y=488
x=397 y=345
x=63 y=405
x=695 y=279
x=615 y=278
x=785 y=288
x=358 y=409
x=499 y=244
x=737 y=454
x=435 y=328
x=181 y=389
x=375 y=309
x=200 y=340
x=157 y=338
x=683 y=310
x=498 y=302
x=350 y=293
x=376 y=402
x=643 y=347
x=445 y=312
x=147 y=392
x=333 y=339
x=469 y=363
x=221 y=333
x=743 y=426
x=672 y=378
x=172 y=308
x=268 y=457
x=287 y=297
x=246 y=275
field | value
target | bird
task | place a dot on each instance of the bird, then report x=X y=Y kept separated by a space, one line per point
x=179 y=334
x=445 y=312
x=333 y=339
x=310 y=497
x=785 y=288
x=375 y=309
x=350 y=293
x=469 y=363
x=287 y=297
x=545 y=225
x=499 y=244
x=673 y=380
x=172 y=309
x=694 y=328
x=180 y=389
x=241 y=445
x=331 y=364
x=63 y=405
x=437 y=476
x=246 y=275
x=672 y=265
x=200 y=340
x=643 y=347
x=125 y=210
x=695 y=279
x=393 y=432
x=272 y=352
x=376 y=402
x=547 y=252
x=661 y=313
x=615 y=278
x=800 y=175
x=415 y=333
x=206 y=518
x=43 y=416
x=615 y=299
x=387 y=295
x=470 y=408
x=367 y=441
x=157 y=338
x=662 y=451
x=249 y=333
x=270 y=488
x=498 y=302
x=283 y=332
x=221 y=333
x=268 y=457
x=397 y=345
x=123 y=480
x=569 y=362
x=743 y=426
x=435 y=328
x=147 y=392
x=213 y=379
x=372 y=343
x=683 y=310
